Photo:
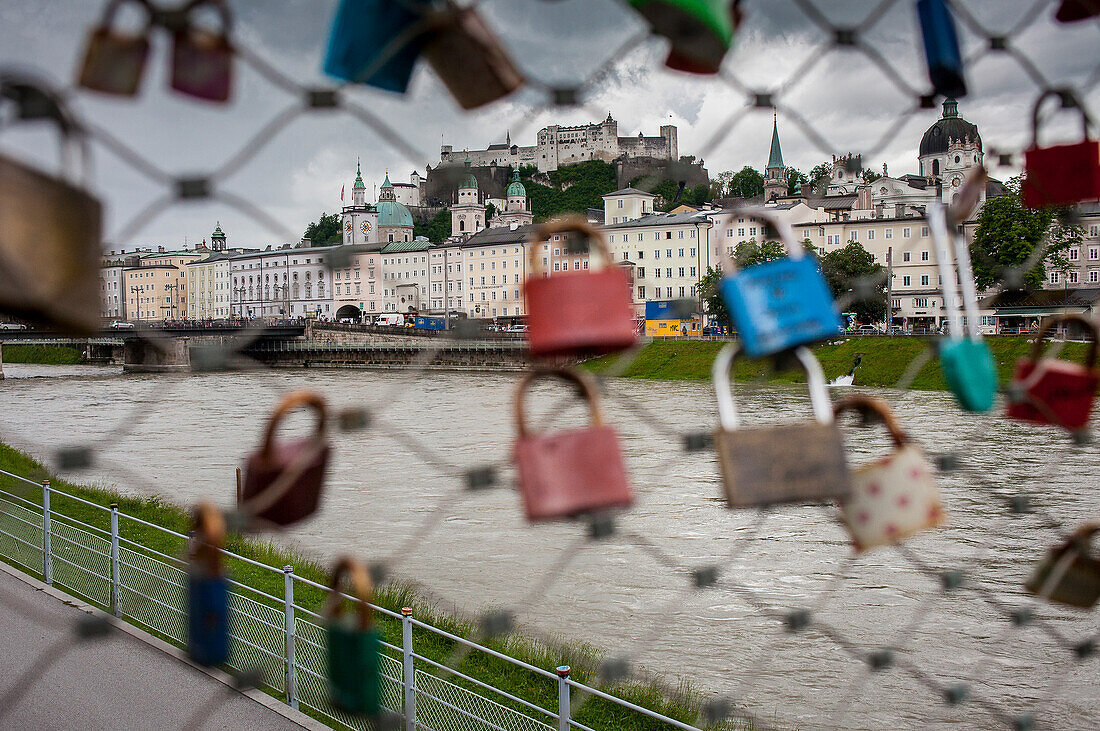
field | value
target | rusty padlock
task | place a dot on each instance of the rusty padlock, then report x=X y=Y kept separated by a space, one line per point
x=893 y=497
x=468 y=58
x=577 y=312
x=283 y=482
x=202 y=60
x=1062 y=174
x=207 y=589
x=801 y=462
x=1052 y=391
x=114 y=62
x=1070 y=573
x=572 y=472
x=50 y=228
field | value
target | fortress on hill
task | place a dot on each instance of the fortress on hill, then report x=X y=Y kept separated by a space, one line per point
x=557 y=145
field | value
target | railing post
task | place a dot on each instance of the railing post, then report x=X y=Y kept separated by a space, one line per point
x=115 y=608
x=47 y=553
x=291 y=663
x=563 y=698
x=408 y=673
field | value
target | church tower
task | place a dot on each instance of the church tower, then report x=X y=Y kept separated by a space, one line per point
x=217 y=239
x=360 y=219
x=775 y=174
x=516 y=209
x=395 y=222
x=468 y=214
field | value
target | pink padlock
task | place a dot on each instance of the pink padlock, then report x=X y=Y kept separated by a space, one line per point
x=202 y=60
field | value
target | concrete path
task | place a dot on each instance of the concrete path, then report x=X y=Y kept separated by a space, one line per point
x=124 y=680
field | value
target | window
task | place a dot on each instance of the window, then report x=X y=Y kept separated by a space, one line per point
x=656 y=273
x=620 y=203
x=1094 y=276
x=905 y=281
x=905 y=256
x=924 y=256
x=1073 y=277
x=871 y=234
x=668 y=253
x=668 y=272
x=693 y=271
x=740 y=232
x=1054 y=277
x=679 y=234
x=641 y=272
x=641 y=254
x=656 y=253
x=1094 y=253
x=889 y=233
x=920 y=301
x=924 y=231
x=668 y=234
x=681 y=271
x=924 y=280
x=681 y=252
x=905 y=232
x=1094 y=231
x=641 y=292
x=1074 y=254
x=854 y=236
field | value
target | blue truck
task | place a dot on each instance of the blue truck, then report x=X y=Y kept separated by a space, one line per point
x=430 y=323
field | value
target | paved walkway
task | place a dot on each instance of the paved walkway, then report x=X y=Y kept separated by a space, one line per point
x=124 y=680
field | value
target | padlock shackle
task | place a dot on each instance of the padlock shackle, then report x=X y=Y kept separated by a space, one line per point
x=290 y=402
x=209 y=527
x=575 y=224
x=1049 y=323
x=36 y=100
x=870 y=405
x=723 y=388
x=219 y=5
x=583 y=380
x=361 y=588
x=936 y=216
x=111 y=8
x=1061 y=94
x=795 y=250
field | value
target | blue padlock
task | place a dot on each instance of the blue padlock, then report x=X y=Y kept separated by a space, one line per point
x=941 y=48
x=376 y=42
x=207 y=590
x=780 y=304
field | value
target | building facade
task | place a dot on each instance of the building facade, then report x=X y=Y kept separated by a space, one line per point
x=284 y=283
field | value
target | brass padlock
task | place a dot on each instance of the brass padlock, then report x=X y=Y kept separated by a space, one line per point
x=114 y=62
x=49 y=228
x=1070 y=574
x=801 y=462
x=469 y=58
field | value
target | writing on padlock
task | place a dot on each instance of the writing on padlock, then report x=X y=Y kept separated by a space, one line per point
x=779 y=304
x=50 y=228
x=207 y=589
x=700 y=31
x=941 y=48
x=576 y=312
x=1070 y=573
x=114 y=61
x=353 y=643
x=283 y=482
x=1053 y=391
x=801 y=462
x=202 y=60
x=376 y=42
x=468 y=58
x=893 y=497
x=1062 y=174
x=572 y=472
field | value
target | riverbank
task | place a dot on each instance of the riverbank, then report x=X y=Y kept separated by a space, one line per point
x=884 y=363
x=43 y=354
x=496 y=673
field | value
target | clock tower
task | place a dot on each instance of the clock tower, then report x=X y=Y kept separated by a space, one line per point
x=360 y=219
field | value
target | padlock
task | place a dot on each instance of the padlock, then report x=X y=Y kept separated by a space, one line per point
x=801 y=462
x=114 y=62
x=1073 y=10
x=283 y=482
x=578 y=312
x=941 y=48
x=893 y=497
x=1052 y=391
x=468 y=58
x=207 y=589
x=1063 y=174
x=376 y=42
x=50 y=229
x=700 y=31
x=966 y=361
x=353 y=643
x=1070 y=573
x=202 y=60
x=779 y=304
x=572 y=472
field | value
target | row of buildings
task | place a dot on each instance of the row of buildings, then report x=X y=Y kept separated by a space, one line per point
x=382 y=267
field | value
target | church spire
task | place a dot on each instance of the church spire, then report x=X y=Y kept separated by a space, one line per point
x=775 y=158
x=358 y=177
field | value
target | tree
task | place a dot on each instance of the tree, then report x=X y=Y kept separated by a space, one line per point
x=490 y=211
x=1008 y=235
x=747 y=253
x=820 y=175
x=720 y=184
x=853 y=270
x=710 y=293
x=436 y=229
x=326 y=231
x=869 y=175
x=794 y=175
x=746 y=183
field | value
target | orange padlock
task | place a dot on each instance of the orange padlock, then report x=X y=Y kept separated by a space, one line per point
x=1062 y=174
x=114 y=62
x=202 y=60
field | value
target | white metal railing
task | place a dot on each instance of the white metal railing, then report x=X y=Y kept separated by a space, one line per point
x=273 y=634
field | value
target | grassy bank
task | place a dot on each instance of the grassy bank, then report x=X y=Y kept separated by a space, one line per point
x=885 y=361
x=43 y=354
x=597 y=713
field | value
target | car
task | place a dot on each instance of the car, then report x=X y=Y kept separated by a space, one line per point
x=121 y=325
x=516 y=329
x=348 y=320
x=868 y=330
x=12 y=326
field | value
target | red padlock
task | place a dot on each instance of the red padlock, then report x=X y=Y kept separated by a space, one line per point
x=1063 y=174
x=579 y=312
x=202 y=61
x=1051 y=391
x=115 y=62
x=283 y=482
x=572 y=472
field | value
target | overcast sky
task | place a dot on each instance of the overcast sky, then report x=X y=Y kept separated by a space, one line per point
x=845 y=97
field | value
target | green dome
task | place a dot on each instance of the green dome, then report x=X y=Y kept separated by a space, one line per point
x=390 y=212
x=218 y=232
x=516 y=187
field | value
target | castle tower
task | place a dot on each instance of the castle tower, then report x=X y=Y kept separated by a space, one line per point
x=217 y=239
x=775 y=174
x=467 y=215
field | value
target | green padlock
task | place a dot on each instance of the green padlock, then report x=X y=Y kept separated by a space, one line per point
x=965 y=359
x=353 y=644
x=700 y=31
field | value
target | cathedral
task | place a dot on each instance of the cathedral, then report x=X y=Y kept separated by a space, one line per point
x=384 y=221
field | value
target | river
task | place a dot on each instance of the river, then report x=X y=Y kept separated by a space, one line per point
x=181 y=437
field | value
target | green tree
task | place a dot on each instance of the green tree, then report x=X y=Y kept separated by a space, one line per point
x=1009 y=234
x=436 y=229
x=720 y=184
x=711 y=295
x=747 y=253
x=869 y=175
x=490 y=211
x=794 y=175
x=326 y=231
x=820 y=175
x=746 y=183
x=853 y=270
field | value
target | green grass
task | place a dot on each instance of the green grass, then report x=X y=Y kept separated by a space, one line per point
x=43 y=354
x=682 y=703
x=885 y=361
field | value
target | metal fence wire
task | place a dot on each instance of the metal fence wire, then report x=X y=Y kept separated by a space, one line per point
x=1018 y=631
